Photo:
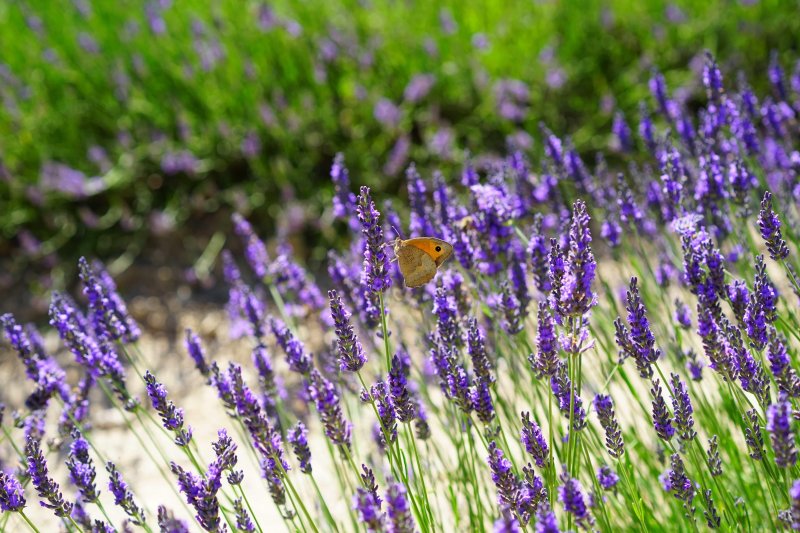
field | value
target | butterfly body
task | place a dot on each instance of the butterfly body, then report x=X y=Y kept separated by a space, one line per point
x=420 y=258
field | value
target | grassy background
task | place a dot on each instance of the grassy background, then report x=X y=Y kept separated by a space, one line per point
x=305 y=82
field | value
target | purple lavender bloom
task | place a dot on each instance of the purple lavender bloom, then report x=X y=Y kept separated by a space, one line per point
x=753 y=436
x=622 y=132
x=243 y=520
x=508 y=486
x=481 y=399
x=712 y=457
x=570 y=494
x=350 y=353
x=534 y=441
x=739 y=298
x=266 y=380
x=518 y=274
x=12 y=496
x=171 y=416
x=776 y=75
x=794 y=510
x=296 y=356
x=546 y=521
x=46 y=487
x=398 y=511
x=476 y=347
x=324 y=394
x=607 y=478
x=375 y=275
x=255 y=250
x=658 y=87
x=546 y=361
x=513 y=312
x=201 y=493
x=196 y=352
x=779 y=426
x=418 y=87
x=683 y=315
x=761 y=309
x=344 y=201
x=369 y=512
x=770 y=226
x=640 y=343
x=682 y=407
x=405 y=408
x=611 y=231
x=680 y=485
x=779 y=361
x=225 y=450
x=387 y=113
x=123 y=496
x=712 y=78
x=40 y=368
x=81 y=470
x=495 y=207
x=507 y=523
x=538 y=256
x=662 y=421
x=567 y=397
x=608 y=419
x=110 y=317
x=298 y=438
x=264 y=437
x=446 y=318
x=646 y=127
x=577 y=297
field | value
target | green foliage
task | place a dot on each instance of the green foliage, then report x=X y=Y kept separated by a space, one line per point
x=144 y=95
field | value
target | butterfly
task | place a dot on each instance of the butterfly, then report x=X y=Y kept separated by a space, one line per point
x=419 y=258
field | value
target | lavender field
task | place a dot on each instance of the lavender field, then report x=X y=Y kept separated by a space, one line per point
x=613 y=345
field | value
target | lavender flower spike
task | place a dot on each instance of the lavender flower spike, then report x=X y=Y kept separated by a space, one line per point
x=661 y=416
x=570 y=494
x=123 y=495
x=682 y=406
x=46 y=487
x=350 y=353
x=298 y=438
x=171 y=416
x=534 y=441
x=398 y=510
x=779 y=426
x=608 y=419
x=12 y=497
x=255 y=250
x=770 y=226
x=577 y=297
x=195 y=349
x=299 y=360
x=369 y=511
x=81 y=470
x=375 y=276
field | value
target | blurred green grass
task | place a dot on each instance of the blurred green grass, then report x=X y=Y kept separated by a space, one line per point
x=305 y=81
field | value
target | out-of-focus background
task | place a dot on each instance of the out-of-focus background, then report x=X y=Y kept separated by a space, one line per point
x=130 y=130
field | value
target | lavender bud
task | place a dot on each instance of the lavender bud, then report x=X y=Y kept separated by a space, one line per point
x=534 y=441
x=298 y=438
x=608 y=419
x=770 y=226
x=46 y=487
x=661 y=416
x=351 y=354
x=779 y=426
x=123 y=496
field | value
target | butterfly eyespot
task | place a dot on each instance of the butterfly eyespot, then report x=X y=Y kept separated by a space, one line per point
x=438 y=248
